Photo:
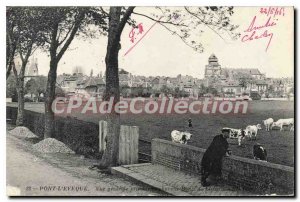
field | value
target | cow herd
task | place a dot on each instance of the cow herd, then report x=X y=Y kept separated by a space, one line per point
x=250 y=132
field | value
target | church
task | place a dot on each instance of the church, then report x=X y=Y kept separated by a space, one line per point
x=31 y=69
x=231 y=79
x=214 y=70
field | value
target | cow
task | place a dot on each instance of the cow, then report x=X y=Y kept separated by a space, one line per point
x=180 y=137
x=259 y=152
x=238 y=134
x=283 y=122
x=252 y=130
x=268 y=122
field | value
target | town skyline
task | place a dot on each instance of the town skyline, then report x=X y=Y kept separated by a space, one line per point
x=99 y=71
x=154 y=56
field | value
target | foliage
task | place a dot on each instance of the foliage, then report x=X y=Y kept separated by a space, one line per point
x=24 y=34
x=188 y=23
x=177 y=93
x=63 y=25
x=244 y=81
x=11 y=88
x=36 y=85
x=166 y=90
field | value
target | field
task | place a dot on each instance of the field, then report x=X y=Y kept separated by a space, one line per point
x=279 y=144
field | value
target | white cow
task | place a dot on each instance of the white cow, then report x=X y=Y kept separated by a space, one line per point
x=180 y=137
x=268 y=122
x=252 y=130
x=238 y=134
x=283 y=122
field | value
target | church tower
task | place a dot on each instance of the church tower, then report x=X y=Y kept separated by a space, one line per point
x=213 y=69
x=32 y=68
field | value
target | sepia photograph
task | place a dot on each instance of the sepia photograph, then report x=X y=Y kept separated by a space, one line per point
x=143 y=101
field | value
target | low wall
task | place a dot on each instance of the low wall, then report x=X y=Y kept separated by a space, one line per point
x=278 y=99
x=81 y=136
x=243 y=173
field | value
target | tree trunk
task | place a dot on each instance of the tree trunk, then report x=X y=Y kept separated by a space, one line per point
x=20 y=92
x=10 y=54
x=8 y=69
x=55 y=58
x=50 y=96
x=110 y=155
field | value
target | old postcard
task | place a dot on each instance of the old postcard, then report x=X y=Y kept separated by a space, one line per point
x=150 y=101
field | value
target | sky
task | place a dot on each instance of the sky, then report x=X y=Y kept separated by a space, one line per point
x=161 y=53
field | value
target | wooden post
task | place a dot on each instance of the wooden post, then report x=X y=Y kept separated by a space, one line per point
x=128 y=145
x=102 y=135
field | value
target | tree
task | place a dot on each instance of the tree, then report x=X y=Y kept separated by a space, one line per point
x=59 y=92
x=212 y=90
x=36 y=86
x=202 y=89
x=115 y=27
x=24 y=34
x=63 y=23
x=215 y=18
x=125 y=90
x=271 y=88
x=146 y=92
x=30 y=87
x=11 y=88
x=137 y=91
x=57 y=46
x=166 y=90
x=188 y=23
x=11 y=40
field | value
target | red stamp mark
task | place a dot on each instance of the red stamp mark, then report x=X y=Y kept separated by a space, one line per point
x=133 y=35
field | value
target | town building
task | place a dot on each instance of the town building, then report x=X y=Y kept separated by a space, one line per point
x=232 y=88
x=213 y=68
x=69 y=82
x=234 y=80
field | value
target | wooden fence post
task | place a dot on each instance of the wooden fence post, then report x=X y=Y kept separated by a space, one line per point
x=128 y=145
x=102 y=135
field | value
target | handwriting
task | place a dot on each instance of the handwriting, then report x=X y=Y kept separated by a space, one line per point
x=259 y=31
x=272 y=11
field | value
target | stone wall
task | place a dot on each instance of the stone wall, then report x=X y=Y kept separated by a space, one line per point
x=244 y=173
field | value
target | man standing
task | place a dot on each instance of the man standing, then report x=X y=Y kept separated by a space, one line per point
x=211 y=163
x=190 y=123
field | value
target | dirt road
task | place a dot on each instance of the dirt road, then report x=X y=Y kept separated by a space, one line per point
x=35 y=174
